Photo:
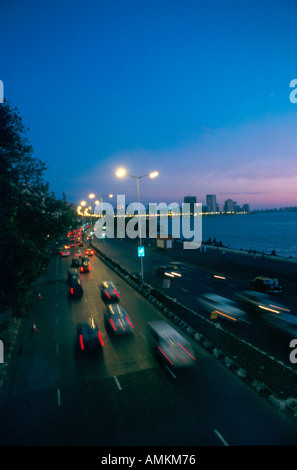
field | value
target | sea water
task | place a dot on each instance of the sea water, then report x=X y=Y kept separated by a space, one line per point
x=264 y=231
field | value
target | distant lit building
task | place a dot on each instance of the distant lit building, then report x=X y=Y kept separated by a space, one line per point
x=246 y=208
x=192 y=200
x=211 y=202
x=229 y=205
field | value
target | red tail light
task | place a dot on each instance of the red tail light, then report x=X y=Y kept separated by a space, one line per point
x=107 y=294
x=89 y=268
x=81 y=269
x=187 y=351
x=113 y=325
x=100 y=338
x=165 y=355
x=71 y=290
x=116 y=293
x=128 y=320
x=81 y=342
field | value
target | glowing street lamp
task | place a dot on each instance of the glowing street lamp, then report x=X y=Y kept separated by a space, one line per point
x=120 y=173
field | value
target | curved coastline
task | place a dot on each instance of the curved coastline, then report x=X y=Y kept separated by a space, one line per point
x=251 y=253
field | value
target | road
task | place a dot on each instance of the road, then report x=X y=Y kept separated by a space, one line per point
x=196 y=282
x=54 y=396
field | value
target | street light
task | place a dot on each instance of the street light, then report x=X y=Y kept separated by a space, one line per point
x=120 y=173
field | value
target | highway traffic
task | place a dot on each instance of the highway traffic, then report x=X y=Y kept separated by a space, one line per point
x=195 y=285
x=54 y=394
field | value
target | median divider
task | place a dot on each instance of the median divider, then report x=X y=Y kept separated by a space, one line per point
x=170 y=307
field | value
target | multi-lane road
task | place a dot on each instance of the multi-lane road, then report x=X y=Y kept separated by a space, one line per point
x=54 y=395
x=194 y=283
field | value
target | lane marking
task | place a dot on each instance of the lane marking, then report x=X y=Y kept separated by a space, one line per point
x=221 y=438
x=142 y=335
x=57 y=305
x=117 y=382
x=59 y=397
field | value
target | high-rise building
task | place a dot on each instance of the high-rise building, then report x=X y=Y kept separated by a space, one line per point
x=229 y=205
x=211 y=202
x=192 y=200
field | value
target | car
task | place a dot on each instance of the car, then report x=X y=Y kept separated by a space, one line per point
x=117 y=319
x=85 y=265
x=109 y=292
x=75 y=287
x=284 y=323
x=257 y=303
x=77 y=254
x=168 y=272
x=81 y=243
x=72 y=273
x=89 y=337
x=75 y=262
x=221 y=307
x=170 y=347
x=65 y=253
x=89 y=252
x=266 y=285
x=67 y=247
x=177 y=265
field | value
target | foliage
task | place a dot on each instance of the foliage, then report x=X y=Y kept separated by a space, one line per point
x=30 y=214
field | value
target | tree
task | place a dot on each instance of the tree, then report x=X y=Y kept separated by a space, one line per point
x=30 y=214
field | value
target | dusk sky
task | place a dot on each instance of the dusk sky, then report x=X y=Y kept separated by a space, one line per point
x=197 y=90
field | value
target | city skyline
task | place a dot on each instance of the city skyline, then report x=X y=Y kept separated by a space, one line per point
x=200 y=93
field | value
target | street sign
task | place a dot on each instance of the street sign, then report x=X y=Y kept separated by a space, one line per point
x=141 y=252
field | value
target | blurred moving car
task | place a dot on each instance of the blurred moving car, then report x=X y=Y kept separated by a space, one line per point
x=77 y=254
x=176 y=265
x=75 y=262
x=89 y=252
x=258 y=302
x=72 y=273
x=81 y=243
x=168 y=272
x=221 y=307
x=169 y=345
x=65 y=253
x=89 y=336
x=266 y=285
x=281 y=321
x=270 y=312
x=109 y=292
x=118 y=319
x=85 y=265
x=75 y=287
